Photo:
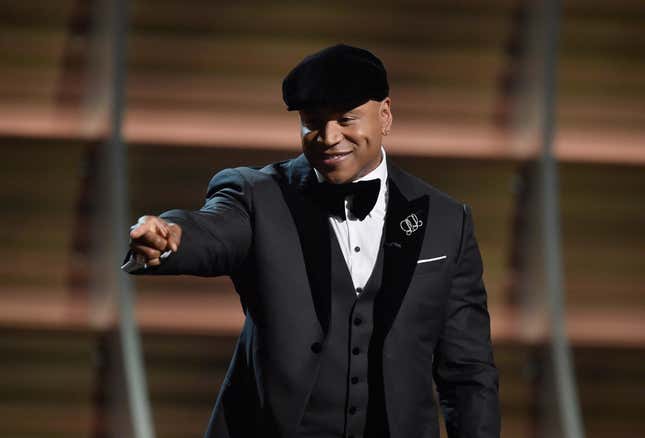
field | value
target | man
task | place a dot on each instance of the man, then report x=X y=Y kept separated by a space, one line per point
x=360 y=283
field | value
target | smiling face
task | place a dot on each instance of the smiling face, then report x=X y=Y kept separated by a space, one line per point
x=344 y=145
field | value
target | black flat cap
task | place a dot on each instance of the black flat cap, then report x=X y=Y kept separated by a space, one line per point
x=335 y=76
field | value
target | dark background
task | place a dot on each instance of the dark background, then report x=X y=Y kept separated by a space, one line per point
x=203 y=93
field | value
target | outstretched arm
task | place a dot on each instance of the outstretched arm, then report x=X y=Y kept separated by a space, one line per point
x=211 y=241
x=463 y=368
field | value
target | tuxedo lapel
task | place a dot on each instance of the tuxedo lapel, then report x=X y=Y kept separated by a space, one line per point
x=313 y=229
x=405 y=224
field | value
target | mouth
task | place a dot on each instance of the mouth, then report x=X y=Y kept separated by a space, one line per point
x=330 y=159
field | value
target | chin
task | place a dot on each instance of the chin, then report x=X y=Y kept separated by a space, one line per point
x=340 y=177
x=335 y=178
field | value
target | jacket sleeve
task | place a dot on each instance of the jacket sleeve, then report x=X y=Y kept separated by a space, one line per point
x=463 y=367
x=216 y=238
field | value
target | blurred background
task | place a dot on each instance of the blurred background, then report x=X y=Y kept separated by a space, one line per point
x=113 y=109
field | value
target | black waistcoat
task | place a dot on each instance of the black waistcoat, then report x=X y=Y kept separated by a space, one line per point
x=347 y=398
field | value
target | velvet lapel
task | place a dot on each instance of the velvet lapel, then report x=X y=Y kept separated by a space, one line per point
x=312 y=224
x=401 y=249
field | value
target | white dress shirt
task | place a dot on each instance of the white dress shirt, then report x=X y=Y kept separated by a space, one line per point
x=360 y=240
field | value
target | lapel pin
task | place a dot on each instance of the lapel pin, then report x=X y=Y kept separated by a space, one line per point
x=410 y=224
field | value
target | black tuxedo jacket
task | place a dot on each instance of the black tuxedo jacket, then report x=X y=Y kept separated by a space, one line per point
x=260 y=227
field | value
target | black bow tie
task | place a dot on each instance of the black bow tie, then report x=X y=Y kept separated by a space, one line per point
x=332 y=197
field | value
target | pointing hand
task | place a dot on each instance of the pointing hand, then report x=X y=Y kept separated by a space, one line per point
x=152 y=236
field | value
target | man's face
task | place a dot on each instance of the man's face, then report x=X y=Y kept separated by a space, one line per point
x=342 y=144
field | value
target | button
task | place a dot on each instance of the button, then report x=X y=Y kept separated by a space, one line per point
x=356 y=350
x=359 y=289
x=357 y=249
x=316 y=347
x=352 y=410
x=354 y=380
x=358 y=320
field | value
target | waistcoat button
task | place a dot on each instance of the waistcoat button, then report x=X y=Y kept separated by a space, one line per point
x=356 y=350
x=354 y=380
x=352 y=410
x=358 y=320
x=316 y=347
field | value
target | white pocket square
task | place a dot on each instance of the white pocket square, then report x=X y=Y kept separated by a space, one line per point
x=434 y=259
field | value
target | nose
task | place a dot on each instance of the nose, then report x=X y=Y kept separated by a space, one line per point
x=330 y=133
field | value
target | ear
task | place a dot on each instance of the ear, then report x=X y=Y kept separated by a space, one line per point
x=385 y=115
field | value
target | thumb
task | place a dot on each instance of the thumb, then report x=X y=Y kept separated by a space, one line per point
x=174 y=236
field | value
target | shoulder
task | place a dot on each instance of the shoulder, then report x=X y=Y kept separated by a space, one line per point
x=248 y=177
x=447 y=213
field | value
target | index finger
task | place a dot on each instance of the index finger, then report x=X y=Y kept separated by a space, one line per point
x=146 y=224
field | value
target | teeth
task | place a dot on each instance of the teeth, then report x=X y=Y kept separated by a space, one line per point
x=335 y=157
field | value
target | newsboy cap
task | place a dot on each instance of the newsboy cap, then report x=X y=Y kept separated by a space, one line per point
x=339 y=75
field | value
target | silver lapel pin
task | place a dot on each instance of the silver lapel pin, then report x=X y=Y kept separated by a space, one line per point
x=410 y=224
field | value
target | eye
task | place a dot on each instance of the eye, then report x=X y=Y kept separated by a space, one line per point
x=345 y=120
